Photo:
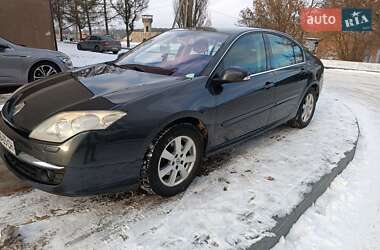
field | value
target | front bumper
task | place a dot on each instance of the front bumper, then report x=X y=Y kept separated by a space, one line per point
x=89 y=163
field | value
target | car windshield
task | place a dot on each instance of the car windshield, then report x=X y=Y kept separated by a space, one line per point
x=177 y=53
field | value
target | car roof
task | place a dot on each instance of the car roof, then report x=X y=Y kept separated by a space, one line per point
x=232 y=31
x=237 y=31
x=229 y=31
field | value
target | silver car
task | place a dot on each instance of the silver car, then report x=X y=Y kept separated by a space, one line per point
x=100 y=44
x=20 y=65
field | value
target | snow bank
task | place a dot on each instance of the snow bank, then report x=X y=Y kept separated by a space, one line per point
x=83 y=58
x=347 y=216
x=230 y=206
x=334 y=64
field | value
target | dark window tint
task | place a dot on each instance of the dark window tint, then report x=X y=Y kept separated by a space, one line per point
x=298 y=53
x=282 y=51
x=247 y=53
x=93 y=38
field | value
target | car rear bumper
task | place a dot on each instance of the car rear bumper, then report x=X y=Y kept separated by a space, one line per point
x=76 y=167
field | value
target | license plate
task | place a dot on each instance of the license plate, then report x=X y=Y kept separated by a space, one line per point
x=7 y=143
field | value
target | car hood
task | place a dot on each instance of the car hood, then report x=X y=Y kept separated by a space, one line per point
x=98 y=87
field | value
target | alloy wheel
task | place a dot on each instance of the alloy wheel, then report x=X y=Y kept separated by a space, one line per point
x=176 y=161
x=43 y=71
x=308 y=107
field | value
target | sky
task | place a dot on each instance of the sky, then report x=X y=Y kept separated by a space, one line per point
x=223 y=13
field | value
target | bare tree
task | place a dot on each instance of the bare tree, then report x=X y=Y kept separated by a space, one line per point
x=88 y=8
x=58 y=7
x=282 y=15
x=129 y=11
x=105 y=13
x=190 y=13
x=74 y=15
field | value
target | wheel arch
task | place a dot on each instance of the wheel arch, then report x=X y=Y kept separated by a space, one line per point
x=315 y=86
x=193 y=119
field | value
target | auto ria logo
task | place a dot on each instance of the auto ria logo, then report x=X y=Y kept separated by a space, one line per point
x=357 y=19
x=346 y=19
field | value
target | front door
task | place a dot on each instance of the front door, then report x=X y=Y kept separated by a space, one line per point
x=11 y=63
x=244 y=107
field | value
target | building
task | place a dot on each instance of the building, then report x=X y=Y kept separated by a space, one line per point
x=28 y=22
x=140 y=35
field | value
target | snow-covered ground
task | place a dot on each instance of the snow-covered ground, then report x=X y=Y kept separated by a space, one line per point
x=347 y=216
x=82 y=58
x=335 y=64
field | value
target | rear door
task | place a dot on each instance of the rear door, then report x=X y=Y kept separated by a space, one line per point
x=288 y=64
x=243 y=107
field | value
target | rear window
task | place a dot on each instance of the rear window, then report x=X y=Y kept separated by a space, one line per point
x=282 y=51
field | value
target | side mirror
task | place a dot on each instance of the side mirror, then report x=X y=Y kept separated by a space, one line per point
x=232 y=75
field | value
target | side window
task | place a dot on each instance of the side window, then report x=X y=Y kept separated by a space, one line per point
x=92 y=38
x=248 y=53
x=282 y=51
x=298 y=53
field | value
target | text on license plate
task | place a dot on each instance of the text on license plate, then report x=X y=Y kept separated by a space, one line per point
x=7 y=143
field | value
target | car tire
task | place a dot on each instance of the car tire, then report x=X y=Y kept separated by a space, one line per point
x=115 y=52
x=79 y=47
x=173 y=160
x=42 y=70
x=305 y=111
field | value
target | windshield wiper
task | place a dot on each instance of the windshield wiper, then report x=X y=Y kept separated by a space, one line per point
x=146 y=68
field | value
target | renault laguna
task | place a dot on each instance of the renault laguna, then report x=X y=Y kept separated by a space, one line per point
x=148 y=118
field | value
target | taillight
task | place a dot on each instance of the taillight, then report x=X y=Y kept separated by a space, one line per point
x=105 y=43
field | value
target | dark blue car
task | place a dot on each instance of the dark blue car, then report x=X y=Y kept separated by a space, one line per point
x=149 y=118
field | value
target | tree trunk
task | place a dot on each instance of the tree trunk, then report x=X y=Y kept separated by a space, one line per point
x=127 y=31
x=105 y=16
x=126 y=19
x=60 y=29
x=77 y=20
x=88 y=17
x=59 y=16
x=80 y=32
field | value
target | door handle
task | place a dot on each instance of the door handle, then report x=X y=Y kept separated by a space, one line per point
x=269 y=85
x=303 y=71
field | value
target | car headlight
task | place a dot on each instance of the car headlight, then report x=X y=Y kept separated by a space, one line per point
x=66 y=60
x=62 y=126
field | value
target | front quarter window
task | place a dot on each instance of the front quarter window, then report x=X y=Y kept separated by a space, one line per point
x=178 y=52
